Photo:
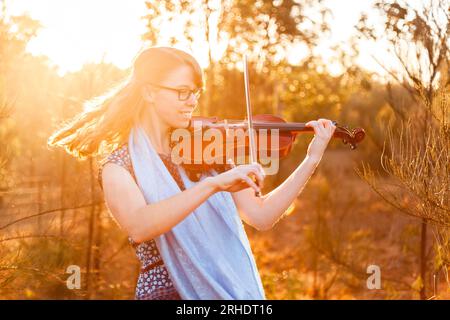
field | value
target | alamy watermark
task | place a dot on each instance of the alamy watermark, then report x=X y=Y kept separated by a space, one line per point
x=374 y=281
x=74 y=280
x=208 y=146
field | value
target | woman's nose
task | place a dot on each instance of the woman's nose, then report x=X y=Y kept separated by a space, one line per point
x=192 y=99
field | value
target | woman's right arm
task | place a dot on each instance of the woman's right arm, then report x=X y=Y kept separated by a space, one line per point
x=144 y=221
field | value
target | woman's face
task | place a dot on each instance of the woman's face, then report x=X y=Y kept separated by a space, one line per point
x=169 y=98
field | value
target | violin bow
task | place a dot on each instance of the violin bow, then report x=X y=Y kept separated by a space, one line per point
x=251 y=136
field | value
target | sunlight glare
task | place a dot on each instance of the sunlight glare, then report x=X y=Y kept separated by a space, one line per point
x=78 y=32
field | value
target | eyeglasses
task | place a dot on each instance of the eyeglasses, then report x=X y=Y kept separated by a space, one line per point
x=183 y=93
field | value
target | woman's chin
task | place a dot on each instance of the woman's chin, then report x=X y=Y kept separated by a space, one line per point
x=182 y=123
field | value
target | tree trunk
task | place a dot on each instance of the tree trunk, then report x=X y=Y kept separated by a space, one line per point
x=423 y=258
x=90 y=284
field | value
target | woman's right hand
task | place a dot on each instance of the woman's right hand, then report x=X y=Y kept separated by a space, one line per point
x=239 y=178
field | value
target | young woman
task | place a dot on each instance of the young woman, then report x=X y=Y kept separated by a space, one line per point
x=188 y=234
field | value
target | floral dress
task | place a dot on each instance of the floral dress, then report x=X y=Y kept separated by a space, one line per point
x=154 y=281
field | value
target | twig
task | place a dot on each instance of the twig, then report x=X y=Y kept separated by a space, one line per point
x=47 y=212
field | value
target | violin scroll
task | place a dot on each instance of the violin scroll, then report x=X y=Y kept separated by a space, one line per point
x=351 y=137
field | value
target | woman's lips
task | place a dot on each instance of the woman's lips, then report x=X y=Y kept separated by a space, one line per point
x=186 y=114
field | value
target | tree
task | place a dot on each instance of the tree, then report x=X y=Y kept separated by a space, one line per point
x=417 y=155
x=227 y=29
x=417 y=37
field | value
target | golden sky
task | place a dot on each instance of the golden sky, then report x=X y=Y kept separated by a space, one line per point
x=78 y=31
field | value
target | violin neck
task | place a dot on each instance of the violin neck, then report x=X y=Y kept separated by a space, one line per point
x=283 y=127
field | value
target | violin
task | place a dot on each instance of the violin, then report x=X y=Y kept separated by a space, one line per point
x=224 y=146
x=265 y=134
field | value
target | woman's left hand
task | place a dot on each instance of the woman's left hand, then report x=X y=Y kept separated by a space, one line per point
x=323 y=131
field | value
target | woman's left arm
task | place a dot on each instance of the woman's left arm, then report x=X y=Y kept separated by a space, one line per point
x=264 y=212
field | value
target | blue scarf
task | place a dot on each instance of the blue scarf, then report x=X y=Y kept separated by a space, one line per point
x=207 y=255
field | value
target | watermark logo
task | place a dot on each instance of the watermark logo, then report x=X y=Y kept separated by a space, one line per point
x=374 y=281
x=74 y=280
x=208 y=146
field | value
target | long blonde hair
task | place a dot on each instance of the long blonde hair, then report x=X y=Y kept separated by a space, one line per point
x=107 y=120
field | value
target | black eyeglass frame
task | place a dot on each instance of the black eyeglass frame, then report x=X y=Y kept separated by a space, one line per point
x=198 y=92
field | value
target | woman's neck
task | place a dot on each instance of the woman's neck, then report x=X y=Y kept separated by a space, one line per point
x=159 y=134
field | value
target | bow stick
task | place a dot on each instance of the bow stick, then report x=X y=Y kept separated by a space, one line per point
x=249 y=118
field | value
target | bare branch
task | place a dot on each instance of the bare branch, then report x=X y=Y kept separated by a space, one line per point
x=47 y=212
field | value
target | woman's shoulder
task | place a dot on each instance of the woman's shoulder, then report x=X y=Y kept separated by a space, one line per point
x=119 y=156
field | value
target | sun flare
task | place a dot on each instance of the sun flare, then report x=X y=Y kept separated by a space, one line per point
x=77 y=32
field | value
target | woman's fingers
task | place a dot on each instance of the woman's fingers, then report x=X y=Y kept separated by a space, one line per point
x=260 y=175
x=319 y=130
x=323 y=128
x=325 y=124
x=259 y=178
x=329 y=126
x=250 y=182
x=254 y=170
x=312 y=124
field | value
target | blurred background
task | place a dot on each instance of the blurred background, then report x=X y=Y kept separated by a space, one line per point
x=379 y=65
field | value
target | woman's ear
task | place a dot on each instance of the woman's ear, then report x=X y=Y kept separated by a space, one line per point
x=147 y=94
